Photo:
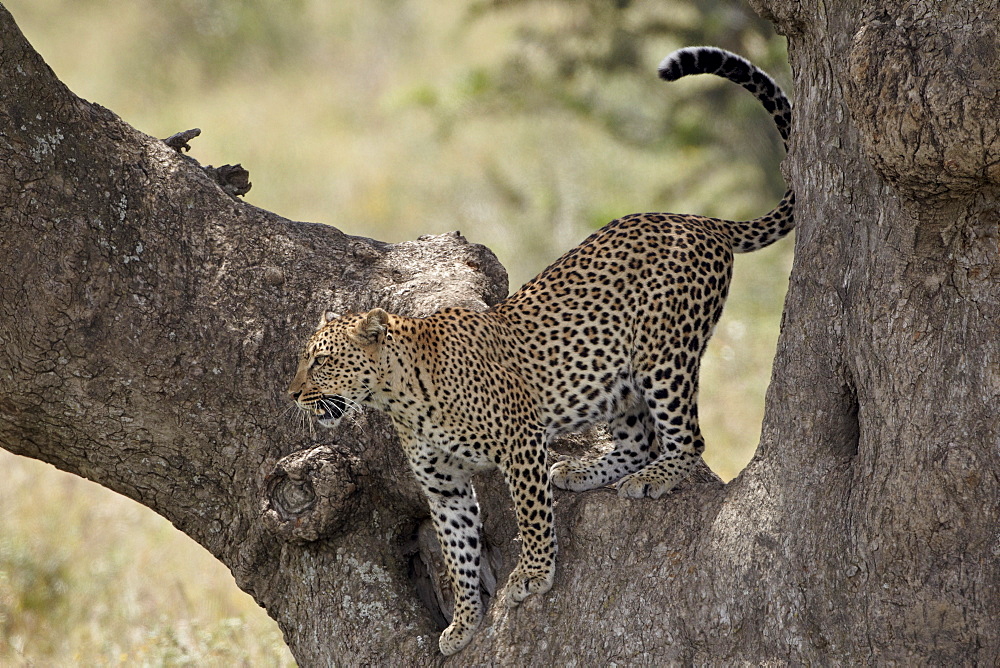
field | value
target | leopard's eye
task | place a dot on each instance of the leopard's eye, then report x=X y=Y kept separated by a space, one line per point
x=320 y=360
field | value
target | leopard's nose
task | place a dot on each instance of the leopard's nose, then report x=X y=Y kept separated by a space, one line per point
x=294 y=394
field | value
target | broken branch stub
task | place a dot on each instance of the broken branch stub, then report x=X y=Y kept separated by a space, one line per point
x=310 y=493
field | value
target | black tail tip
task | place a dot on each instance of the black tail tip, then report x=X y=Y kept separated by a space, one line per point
x=673 y=66
x=699 y=60
x=671 y=73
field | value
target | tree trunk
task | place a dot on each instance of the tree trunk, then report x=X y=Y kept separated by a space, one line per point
x=149 y=323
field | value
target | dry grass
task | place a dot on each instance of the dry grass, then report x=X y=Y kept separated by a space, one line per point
x=88 y=577
x=338 y=132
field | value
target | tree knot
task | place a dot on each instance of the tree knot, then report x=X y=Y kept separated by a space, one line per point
x=310 y=494
x=233 y=179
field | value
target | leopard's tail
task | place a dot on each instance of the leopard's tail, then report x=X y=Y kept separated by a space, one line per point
x=753 y=234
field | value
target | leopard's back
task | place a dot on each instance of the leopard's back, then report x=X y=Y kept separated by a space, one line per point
x=643 y=285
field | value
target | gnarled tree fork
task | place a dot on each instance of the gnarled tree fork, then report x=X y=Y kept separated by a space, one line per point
x=149 y=323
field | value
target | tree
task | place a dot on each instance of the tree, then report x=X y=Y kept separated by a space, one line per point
x=149 y=323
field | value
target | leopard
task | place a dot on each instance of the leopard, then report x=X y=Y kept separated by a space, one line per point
x=612 y=332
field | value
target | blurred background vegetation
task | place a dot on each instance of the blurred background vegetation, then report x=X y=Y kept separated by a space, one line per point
x=524 y=124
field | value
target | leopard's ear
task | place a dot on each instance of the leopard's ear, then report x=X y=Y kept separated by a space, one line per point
x=372 y=327
x=326 y=318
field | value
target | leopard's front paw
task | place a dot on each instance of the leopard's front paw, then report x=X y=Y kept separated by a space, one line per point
x=524 y=582
x=455 y=637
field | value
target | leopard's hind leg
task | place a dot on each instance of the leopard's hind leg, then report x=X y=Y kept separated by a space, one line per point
x=673 y=407
x=635 y=445
x=530 y=487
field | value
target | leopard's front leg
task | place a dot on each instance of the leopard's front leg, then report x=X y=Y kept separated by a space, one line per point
x=527 y=476
x=455 y=514
x=445 y=481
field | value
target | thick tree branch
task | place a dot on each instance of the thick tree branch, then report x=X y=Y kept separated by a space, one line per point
x=150 y=322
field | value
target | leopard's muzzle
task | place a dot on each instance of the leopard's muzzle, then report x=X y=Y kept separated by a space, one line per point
x=333 y=408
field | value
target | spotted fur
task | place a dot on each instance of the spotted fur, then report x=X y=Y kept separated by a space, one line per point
x=613 y=331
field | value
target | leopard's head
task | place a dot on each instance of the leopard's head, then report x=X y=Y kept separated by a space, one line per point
x=340 y=365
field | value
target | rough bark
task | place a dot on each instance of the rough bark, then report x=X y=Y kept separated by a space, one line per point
x=149 y=323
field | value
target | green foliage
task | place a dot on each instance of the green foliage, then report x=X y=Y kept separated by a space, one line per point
x=593 y=58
